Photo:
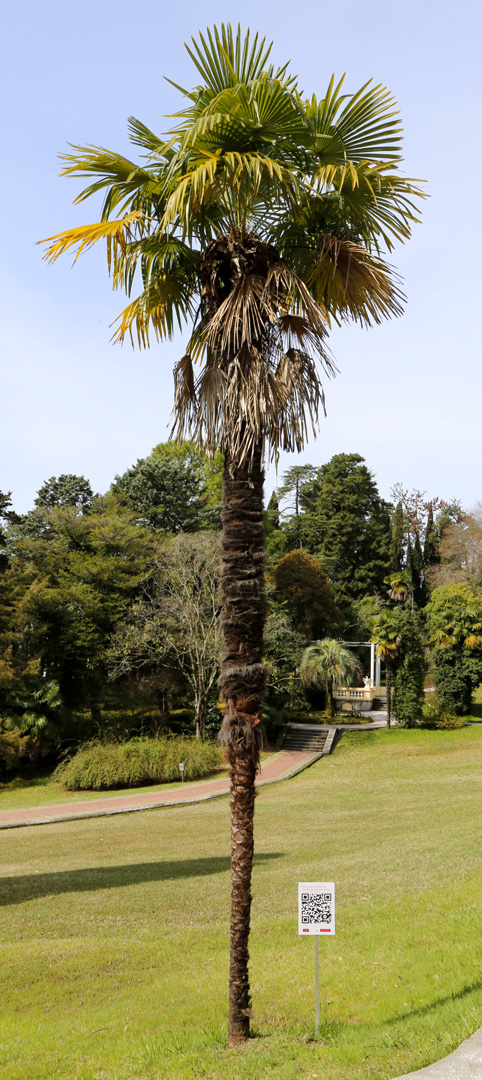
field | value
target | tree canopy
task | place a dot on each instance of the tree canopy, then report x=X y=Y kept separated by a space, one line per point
x=175 y=489
x=66 y=490
x=302 y=584
x=346 y=524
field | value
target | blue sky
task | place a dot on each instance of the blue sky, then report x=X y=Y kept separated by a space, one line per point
x=408 y=396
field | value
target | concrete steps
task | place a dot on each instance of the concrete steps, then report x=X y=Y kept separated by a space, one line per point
x=379 y=704
x=304 y=737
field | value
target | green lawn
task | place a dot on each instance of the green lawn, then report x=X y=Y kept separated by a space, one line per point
x=20 y=791
x=114 y=931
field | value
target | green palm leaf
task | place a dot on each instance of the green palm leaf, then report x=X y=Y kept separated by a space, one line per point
x=316 y=181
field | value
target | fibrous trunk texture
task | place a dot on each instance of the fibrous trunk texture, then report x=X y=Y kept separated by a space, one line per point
x=242 y=681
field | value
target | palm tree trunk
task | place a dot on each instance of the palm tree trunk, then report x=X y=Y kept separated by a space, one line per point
x=389 y=691
x=242 y=681
x=329 y=700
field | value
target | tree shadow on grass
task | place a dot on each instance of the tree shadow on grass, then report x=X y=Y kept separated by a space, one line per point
x=16 y=890
x=438 y=1002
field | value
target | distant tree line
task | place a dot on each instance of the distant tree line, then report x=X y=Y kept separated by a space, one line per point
x=109 y=604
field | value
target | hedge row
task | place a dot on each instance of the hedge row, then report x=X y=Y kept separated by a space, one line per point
x=101 y=766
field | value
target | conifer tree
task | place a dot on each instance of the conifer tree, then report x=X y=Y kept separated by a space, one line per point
x=346 y=524
x=420 y=591
x=410 y=670
x=66 y=490
x=272 y=514
x=397 y=536
x=5 y=514
x=410 y=567
x=295 y=481
x=431 y=547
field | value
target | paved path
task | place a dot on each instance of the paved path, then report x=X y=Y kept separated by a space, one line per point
x=464 y=1064
x=278 y=767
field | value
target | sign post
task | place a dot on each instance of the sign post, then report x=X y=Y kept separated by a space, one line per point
x=181 y=770
x=316 y=915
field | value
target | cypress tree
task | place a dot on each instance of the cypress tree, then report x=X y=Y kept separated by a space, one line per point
x=396 y=542
x=410 y=671
x=431 y=552
x=420 y=591
x=410 y=567
x=271 y=520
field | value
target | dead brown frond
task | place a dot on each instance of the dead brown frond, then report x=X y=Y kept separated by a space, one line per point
x=260 y=382
x=241 y=730
x=353 y=283
x=252 y=402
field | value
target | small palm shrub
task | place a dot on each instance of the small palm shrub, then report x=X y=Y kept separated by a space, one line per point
x=102 y=766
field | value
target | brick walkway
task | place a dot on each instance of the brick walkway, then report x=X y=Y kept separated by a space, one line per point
x=279 y=767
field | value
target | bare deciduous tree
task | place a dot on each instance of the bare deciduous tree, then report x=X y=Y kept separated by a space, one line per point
x=177 y=623
x=460 y=550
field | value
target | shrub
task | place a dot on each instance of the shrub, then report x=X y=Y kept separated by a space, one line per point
x=448 y=722
x=101 y=766
x=434 y=718
x=349 y=718
x=456 y=673
x=13 y=746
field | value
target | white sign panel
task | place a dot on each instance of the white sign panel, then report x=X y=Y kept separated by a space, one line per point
x=316 y=907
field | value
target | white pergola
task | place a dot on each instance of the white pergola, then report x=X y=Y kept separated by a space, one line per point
x=375 y=664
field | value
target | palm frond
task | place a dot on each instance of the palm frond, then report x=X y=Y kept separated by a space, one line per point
x=166 y=303
x=254 y=304
x=251 y=403
x=352 y=284
x=224 y=61
x=126 y=183
x=316 y=184
x=117 y=234
x=364 y=126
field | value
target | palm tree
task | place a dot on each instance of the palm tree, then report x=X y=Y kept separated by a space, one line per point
x=261 y=215
x=328 y=664
x=399 y=586
x=387 y=638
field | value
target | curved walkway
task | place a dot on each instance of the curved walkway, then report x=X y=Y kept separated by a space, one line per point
x=280 y=766
x=465 y=1063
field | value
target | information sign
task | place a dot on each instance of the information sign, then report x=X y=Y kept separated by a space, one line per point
x=316 y=908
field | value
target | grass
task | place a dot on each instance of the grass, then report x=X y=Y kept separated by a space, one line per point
x=114 y=931
x=21 y=790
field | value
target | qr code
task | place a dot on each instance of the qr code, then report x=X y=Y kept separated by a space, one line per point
x=316 y=908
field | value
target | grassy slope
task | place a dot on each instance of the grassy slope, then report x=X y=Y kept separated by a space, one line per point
x=41 y=790
x=21 y=792
x=114 y=932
